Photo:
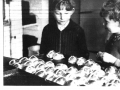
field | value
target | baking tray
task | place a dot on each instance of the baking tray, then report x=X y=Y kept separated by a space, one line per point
x=17 y=77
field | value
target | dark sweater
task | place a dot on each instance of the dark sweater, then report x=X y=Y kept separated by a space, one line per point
x=113 y=45
x=70 y=41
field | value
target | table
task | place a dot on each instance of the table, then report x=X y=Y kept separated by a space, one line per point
x=17 y=77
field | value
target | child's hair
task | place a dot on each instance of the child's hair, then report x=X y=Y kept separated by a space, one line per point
x=60 y=4
x=111 y=9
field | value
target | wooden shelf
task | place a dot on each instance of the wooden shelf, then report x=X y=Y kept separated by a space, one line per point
x=30 y=25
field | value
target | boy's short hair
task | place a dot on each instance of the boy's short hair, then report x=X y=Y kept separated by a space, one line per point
x=59 y=4
x=111 y=8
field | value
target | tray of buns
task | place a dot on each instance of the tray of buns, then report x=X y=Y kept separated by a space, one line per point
x=77 y=72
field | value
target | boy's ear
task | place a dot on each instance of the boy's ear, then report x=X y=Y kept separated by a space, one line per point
x=73 y=10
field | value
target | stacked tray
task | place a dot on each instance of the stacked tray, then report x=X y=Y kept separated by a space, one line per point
x=87 y=73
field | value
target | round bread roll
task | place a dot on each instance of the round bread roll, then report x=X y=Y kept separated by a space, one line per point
x=58 y=56
x=56 y=71
x=41 y=61
x=23 y=60
x=49 y=70
x=96 y=75
x=50 y=77
x=118 y=73
x=69 y=76
x=27 y=63
x=19 y=60
x=72 y=83
x=30 y=69
x=84 y=71
x=111 y=70
x=42 y=73
x=51 y=54
x=96 y=66
x=89 y=62
x=112 y=82
x=17 y=65
x=37 y=63
x=81 y=61
x=61 y=66
x=36 y=72
x=77 y=75
x=40 y=67
x=33 y=58
x=34 y=64
x=12 y=62
x=71 y=70
x=60 y=73
x=97 y=83
x=49 y=64
x=54 y=78
x=60 y=80
x=72 y=59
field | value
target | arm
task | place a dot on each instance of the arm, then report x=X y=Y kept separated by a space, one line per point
x=82 y=44
x=114 y=56
x=117 y=62
x=43 y=45
x=108 y=58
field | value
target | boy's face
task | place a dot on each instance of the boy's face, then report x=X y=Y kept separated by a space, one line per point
x=113 y=26
x=62 y=16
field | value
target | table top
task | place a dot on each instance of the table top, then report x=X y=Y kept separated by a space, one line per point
x=22 y=78
x=13 y=76
x=6 y=65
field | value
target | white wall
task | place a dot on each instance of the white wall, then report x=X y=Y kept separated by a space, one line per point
x=13 y=31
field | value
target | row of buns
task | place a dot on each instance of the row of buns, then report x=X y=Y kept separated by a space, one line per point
x=90 y=74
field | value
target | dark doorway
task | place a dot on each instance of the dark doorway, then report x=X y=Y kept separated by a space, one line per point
x=27 y=17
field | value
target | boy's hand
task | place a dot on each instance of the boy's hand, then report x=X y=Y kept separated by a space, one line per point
x=108 y=58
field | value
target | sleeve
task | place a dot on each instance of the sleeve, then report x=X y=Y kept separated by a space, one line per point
x=117 y=63
x=43 y=45
x=116 y=49
x=82 y=43
x=119 y=47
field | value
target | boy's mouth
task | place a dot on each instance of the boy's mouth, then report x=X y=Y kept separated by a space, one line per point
x=60 y=21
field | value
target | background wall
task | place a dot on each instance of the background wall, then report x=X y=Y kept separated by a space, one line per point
x=76 y=15
x=91 y=22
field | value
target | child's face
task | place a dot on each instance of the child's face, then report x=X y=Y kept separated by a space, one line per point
x=62 y=16
x=113 y=27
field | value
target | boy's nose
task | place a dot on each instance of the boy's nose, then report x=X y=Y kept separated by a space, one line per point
x=61 y=16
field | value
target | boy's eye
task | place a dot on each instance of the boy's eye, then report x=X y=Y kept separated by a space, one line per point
x=66 y=13
x=57 y=13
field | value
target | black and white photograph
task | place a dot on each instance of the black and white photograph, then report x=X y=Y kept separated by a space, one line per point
x=61 y=43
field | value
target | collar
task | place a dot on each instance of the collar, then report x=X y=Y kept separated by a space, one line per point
x=61 y=28
x=67 y=28
x=115 y=37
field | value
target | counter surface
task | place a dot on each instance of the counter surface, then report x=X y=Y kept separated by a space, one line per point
x=17 y=77
x=14 y=76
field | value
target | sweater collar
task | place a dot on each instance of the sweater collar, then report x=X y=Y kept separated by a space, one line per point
x=68 y=28
x=64 y=26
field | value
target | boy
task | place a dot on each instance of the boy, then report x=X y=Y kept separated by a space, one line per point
x=111 y=14
x=63 y=35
